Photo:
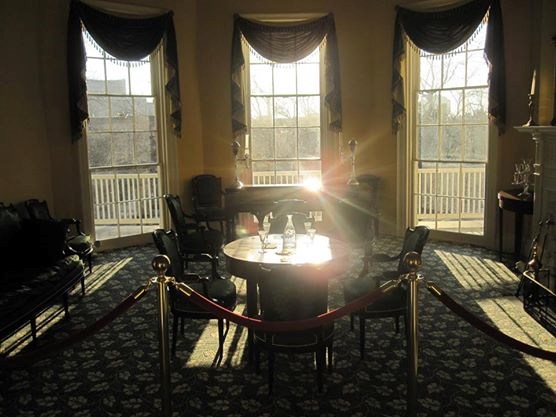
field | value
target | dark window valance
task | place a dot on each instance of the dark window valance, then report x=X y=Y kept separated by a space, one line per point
x=128 y=39
x=286 y=43
x=442 y=32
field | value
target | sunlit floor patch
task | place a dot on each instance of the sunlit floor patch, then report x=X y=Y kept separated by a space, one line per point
x=476 y=273
x=234 y=344
x=506 y=312
x=51 y=316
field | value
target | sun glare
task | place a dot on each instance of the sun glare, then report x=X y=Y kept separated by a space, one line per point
x=313 y=184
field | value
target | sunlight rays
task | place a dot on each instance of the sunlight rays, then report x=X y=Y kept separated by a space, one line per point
x=505 y=312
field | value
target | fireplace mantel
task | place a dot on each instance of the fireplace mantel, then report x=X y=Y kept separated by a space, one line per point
x=545 y=184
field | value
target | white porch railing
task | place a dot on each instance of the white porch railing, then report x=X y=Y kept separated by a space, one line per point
x=126 y=198
x=282 y=177
x=450 y=193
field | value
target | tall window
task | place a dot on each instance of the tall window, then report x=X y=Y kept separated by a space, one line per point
x=122 y=138
x=451 y=147
x=285 y=120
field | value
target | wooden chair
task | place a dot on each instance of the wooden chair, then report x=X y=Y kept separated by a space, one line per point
x=197 y=244
x=207 y=199
x=394 y=303
x=221 y=291
x=293 y=293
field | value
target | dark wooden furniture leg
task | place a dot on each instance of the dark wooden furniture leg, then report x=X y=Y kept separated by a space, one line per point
x=251 y=312
x=518 y=235
x=500 y=232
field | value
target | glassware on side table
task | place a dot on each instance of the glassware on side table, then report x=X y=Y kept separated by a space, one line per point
x=263 y=233
x=310 y=229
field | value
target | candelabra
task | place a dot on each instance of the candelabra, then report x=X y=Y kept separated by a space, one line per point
x=521 y=177
x=353 y=177
x=531 y=121
x=238 y=184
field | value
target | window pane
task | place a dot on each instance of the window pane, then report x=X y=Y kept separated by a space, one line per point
x=476 y=139
x=145 y=147
x=287 y=166
x=284 y=111
x=95 y=76
x=262 y=146
x=454 y=70
x=122 y=114
x=451 y=103
x=309 y=170
x=281 y=119
x=117 y=78
x=476 y=105
x=100 y=148
x=141 y=79
x=451 y=143
x=98 y=114
x=428 y=143
x=145 y=116
x=309 y=142
x=428 y=108
x=261 y=79
x=286 y=143
x=308 y=81
x=477 y=73
x=284 y=79
x=430 y=68
x=261 y=112
x=309 y=111
x=122 y=148
x=263 y=166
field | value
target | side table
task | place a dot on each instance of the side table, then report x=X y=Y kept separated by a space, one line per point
x=510 y=201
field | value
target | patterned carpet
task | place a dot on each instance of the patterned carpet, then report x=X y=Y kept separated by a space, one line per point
x=462 y=372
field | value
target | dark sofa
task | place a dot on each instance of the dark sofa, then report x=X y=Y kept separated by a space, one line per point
x=35 y=273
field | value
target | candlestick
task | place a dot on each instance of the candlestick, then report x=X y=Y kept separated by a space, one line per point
x=353 y=177
x=534 y=82
x=235 y=150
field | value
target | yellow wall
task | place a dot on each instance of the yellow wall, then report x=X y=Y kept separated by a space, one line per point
x=25 y=169
x=38 y=160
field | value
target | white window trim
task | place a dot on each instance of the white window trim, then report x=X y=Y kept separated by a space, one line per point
x=167 y=155
x=328 y=148
x=406 y=148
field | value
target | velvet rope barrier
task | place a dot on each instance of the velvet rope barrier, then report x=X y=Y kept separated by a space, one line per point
x=487 y=328
x=36 y=355
x=284 y=326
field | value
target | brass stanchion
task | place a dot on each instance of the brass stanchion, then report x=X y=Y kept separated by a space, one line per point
x=160 y=264
x=412 y=261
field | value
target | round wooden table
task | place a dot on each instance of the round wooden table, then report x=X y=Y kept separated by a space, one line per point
x=244 y=259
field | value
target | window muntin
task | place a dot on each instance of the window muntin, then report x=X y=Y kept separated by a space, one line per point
x=451 y=150
x=122 y=143
x=285 y=120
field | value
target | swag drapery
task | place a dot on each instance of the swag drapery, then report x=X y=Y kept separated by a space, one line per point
x=442 y=32
x=128 y=39
x=285 y=43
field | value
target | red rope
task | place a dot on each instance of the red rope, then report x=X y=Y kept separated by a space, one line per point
x=23 y=359
x=284 y=326
x=487 y=328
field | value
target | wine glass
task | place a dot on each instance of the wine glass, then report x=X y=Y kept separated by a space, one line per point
x=262 y=237
x=310 y=229
x=263 y=233
x=266 y=227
